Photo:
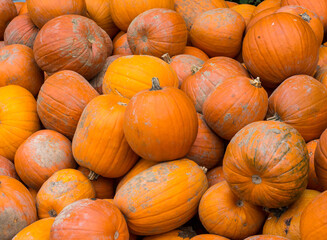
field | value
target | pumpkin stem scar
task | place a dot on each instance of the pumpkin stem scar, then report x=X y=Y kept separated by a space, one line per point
x=256 y=179
x=256 y=82
x=155 y=84
x=204 y=169
x=93 y=176
x=195 y=69
x=276 y=117
x=53 y=213
x=305 y=17
x=166 y=58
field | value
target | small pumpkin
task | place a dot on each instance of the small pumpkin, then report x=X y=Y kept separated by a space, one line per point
x=189 y=50
x=180 y=234
x=37 y=230
x=246 y=11
x=121 y=46
x=7 y=13
x=313 y=182
x=7 y=168
x=320 y=160
x=215 y=175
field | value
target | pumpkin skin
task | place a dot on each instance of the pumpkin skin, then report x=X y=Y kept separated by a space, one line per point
x=221 y=37
x=18 y=67
x=208 y=237
x=296 y=40
x=259 y=16
x=23 y=9
x=42 y=11
x=288 y=223
x=215 y=175
x=61 y=101
x=61 y=189
x=7 y=168
x=7 y=13
x=121 y=46
x=156 y=32
x=160 y=124
x=273 y=175
x=121 y=33
x=208 y=149
x=320 y=160
x=129 y=75
x=41 y=155
x=313 y=182
x=72 y=42
x=17 y=209
x=213 y=72
x=246 y=11
x=196 y=53
x=99 y=143
x=37 y=230
x=33 y=192
x=18 y=5
x=321 y=75
x=231 y=4
x=90 y=219
x=157 y=187
x=181 y=234
x=21 y=30
x=300 y=100
x=2 y=44
x=99 y=11
x=266 y=5
x=266 y=237
x=322 y=57
x=234 y=104
x=18 y=119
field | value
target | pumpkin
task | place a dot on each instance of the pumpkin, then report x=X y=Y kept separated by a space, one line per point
x=99 y=143
x=99 y=11
x=320 y=160
x=19 y=5
x=262 y=167
x=208 y=149
x=139 y=167
x=7 y=13
x=322 y=62
x=121 y=33
x=129 y=75
x=189 y=50
x=72 y=42
x=18 y=67
x=215 y=175
x=124 y=11
x=42 y=11
x=177 y=185
x=184 y=65
x=62 y=99
x=218 y=32
x=37 y=230
x=231 y=4
x=259 y=16
x=7 y=168
x=266 y=237
x=91 y=219
x=234 y=104
x=180 y=234
x=97 y=81
x=41 y=155
x=18 y=118
x=287 y=223
x=313 y=182
x=309 y=16
x=21 y=30
x=23 y=9
x=245 y=10
x=300 y=101
x=160 y=124
x=313 y=224
x=213 y=72
x=33 y=192
x=264 y=5
x=17 y=210
x=61 y=189
x=208 y=237
x=274 y=61
x=121 y=46
x=156 y=32
x=104 y=187
x=321 y=75
x=2 y=44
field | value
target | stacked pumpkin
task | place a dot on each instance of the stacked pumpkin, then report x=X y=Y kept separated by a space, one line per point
x=163 y=119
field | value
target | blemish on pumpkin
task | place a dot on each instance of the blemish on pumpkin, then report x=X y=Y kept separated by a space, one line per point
x=4 y=56
x=132 y=209
x=116 y=236
x=288 y=224
x=52 y=213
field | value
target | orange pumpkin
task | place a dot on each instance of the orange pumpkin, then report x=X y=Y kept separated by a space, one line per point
x=313 y=182
x=7 y=168
x=91 y=219
x=65 y=44
x=129 y=75
x=37 y=230
x=156 y=32
x=273 y=61
x=322 y=62
x=160 y=124
x=300 y=101
x=177 y=185
x=2 y=44
x=17 y=209
x=259 y=16
x=18 y=67
x=231 y=4
x=321 y=75
x=61 y=189
x=7 y=13
x=196 y=53
x=287 y=223
x=41 y=155
x=61 y=100
x=215 y=175
x=246 y=11
x=19 y=5
x=18 y=119
x=121 y=33
x=320 y=160
x=33 y=192
x=208 y=237
x=263 y=168
x=218 y=32
x=266 y=237
x=23 y=9
x=234 y=104
x=182 y=234
x=264 y=5
x=121 y=46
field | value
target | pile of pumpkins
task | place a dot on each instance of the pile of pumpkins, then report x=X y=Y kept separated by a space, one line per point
x=163 y=119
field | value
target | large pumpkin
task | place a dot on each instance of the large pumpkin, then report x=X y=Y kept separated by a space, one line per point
x=320 y=160
x=272 y=57
x=129 y=75
x=313 y=182
x=160 y=124
x=182 y=234
x=246 y=11
x=17 y=209
x=176 y=185
x=18 y=67
x=300 y=101
x=263 y=167
x=121 y=46
x=90 y=219
x=42 y=11
x=220 y=207
x=7 y=168
x=18 y=119
x=156 y=32
x=7 y=13
x=62 y=99
x=72 y=42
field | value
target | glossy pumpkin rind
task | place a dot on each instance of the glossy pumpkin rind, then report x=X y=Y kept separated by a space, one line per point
x=37 y=230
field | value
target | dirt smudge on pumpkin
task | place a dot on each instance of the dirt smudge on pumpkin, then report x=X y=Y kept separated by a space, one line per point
x=288 y=224
x=11 y=222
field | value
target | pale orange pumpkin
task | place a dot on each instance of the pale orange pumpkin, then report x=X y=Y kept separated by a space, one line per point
x=37 y=230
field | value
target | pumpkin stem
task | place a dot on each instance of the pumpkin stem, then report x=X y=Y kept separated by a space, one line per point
x=256 y=82
x=276 y=211
x=155 y=84
x=275 y=117
x=195 y=69
x=305 y=17
x=52 y=213
x=240 y=203
x=256 y=179
x=93 y=176
x=186 y=232
x=204 y=169
x=167 y=58
x=122 y=104
x=118 y=93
